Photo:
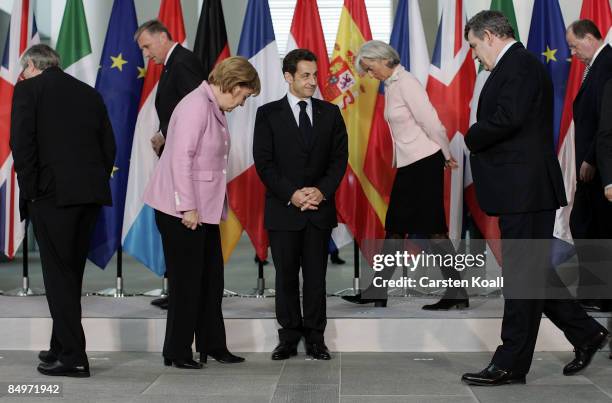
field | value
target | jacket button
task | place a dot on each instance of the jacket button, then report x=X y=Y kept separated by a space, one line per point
x=225 y=157
x=224 y=171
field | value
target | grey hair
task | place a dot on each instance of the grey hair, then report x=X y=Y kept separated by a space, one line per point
x=152 y=27
x=42 y=57
x=377 y=50
x=489 y=20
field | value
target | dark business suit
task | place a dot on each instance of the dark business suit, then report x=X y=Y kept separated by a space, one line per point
x=518 y=178
x=591 y=213
x=604 y=137
x=182 y=74
x=64 y=150
x=287 y=159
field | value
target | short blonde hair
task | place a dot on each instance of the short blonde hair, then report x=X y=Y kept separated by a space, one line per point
x=235 y=72
x=377 y=50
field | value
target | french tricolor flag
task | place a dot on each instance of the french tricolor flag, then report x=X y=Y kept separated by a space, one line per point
x=245 y=190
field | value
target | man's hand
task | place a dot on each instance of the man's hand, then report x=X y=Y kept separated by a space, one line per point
x=313 y=198
x=157 y=141
x=608 y=193
x=298 y=199
x=587 y=172
x=190 y=219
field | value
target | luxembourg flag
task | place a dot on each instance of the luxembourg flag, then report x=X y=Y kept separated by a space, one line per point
x=22 y=34
x=450 y=87
x=245 y=190
x=140 y=237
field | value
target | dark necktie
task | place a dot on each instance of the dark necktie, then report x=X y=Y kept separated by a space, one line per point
x=305 y=125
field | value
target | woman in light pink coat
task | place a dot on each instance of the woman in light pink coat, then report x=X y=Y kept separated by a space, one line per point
x=188 y=193
x=420 y=154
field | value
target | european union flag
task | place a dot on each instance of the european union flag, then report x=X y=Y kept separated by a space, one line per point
x=119 y=80
x=547 y=41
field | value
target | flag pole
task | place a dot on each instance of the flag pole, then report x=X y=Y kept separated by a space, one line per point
x=260 y=291
x=25 y=290
x=355 y=289
x=118 y=291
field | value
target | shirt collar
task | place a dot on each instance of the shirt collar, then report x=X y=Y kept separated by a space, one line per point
x=170 y=52
x=293 y=100
x=395 y=75
x=503 y=52
x=597 y=54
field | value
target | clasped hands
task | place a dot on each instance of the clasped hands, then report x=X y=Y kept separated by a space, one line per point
x=307 y=198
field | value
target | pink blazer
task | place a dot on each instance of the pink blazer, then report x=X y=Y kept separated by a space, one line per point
x=192 y=171
x=416 y=129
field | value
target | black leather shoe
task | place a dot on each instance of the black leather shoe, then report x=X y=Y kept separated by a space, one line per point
x=446 y=304
x=356 y=299
x=335 y=258
x=47 y=356
x=184 y=364
x=585 y=354
x=283 y=351
x=159 y=301
x=58 y=369
x=318 y=351
x=493 y=376
x=224 y=357
x=164 y=305
x=591 y=305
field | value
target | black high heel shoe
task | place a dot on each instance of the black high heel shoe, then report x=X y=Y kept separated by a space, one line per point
x=223 y=357
x=184 y=364
x=356 y=299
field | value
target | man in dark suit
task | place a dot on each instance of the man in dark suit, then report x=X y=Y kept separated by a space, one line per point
x=182 y=73
x=604 y=141
x=592 y=213
x=64 y=150
x=300 y=152
x=518 y=178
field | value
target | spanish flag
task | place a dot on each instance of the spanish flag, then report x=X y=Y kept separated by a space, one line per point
x=359 y=205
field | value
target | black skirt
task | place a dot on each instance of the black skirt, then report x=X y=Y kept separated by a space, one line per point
x=416 y=205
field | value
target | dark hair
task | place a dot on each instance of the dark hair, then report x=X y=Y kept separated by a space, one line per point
x=581 y=28
x=152 y=27
x=489 y=20
x=292 y=59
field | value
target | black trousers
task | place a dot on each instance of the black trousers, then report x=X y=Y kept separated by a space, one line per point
x=194 y=264
x=63 y=235
x=290 y=250
x=522 y=317
x=591 y=218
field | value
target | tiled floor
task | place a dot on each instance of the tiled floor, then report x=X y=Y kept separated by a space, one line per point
x=348 y=377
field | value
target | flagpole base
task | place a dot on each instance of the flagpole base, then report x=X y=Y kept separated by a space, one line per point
x=25 y=290
x=158 y=292
x=116 y=292
x=229 y=293
x=261 y=291
x=346 y=291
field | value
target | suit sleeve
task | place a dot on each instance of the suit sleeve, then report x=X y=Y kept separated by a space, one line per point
x=591 y=155
x=514 y=104
x=604 y=137
x=23 y=139
x=338 y=158
x=107 y=140
x=263 y=156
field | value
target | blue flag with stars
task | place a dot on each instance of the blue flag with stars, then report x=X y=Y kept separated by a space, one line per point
x=547 y=41
x=120 y=78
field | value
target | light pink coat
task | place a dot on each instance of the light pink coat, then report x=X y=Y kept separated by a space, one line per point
x=416 y=129
x=192 y=171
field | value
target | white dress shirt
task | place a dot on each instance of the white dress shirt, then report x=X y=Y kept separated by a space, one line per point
x=295 y=108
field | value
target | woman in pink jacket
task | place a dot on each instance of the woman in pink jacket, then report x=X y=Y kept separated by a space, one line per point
x=188 y=193
x=420 y=153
